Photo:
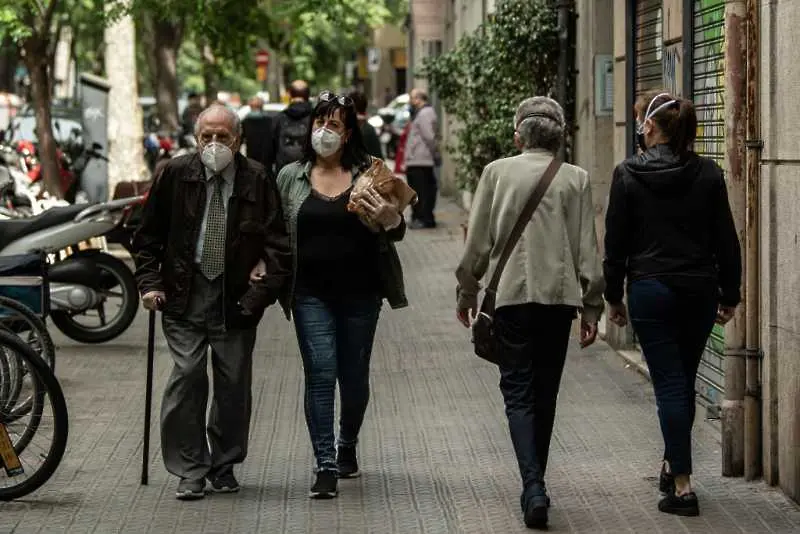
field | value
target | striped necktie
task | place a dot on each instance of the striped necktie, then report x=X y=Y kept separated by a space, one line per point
x=212 y=261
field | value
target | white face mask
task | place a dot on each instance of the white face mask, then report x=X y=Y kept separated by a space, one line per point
x=325 y=142
x=216 y=156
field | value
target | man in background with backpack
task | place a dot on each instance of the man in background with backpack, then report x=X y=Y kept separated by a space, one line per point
x=291 y=128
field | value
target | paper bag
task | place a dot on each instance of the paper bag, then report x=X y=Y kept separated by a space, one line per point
x=392 y=188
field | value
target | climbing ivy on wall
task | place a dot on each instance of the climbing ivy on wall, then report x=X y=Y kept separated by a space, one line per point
x=480 y=82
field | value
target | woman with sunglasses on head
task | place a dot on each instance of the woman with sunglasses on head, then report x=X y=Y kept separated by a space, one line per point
x=670 y=232
x=344 y=267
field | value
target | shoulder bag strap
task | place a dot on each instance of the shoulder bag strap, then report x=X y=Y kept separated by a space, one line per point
x=519 y=227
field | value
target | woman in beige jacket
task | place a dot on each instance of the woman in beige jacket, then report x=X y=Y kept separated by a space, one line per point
x=553 y=273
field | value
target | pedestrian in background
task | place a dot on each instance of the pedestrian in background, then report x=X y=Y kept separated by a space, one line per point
x=344 y=268
x=190 y=114
x=670 y=232
x=209 y=218
x=372 y=143
x=257 y=132
x=553 y=272
x=291 y=128
x=421 y=157
x=400 y=152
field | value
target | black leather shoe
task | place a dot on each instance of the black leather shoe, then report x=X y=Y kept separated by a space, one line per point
x=347 y=462
x=683 y=505
x=325 y=486
x=534 y=507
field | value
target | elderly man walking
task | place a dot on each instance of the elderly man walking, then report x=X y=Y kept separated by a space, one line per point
x=209 y=218
x=421 y=159
x=553 y=273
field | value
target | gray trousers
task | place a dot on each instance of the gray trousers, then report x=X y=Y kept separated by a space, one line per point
x=185 y=439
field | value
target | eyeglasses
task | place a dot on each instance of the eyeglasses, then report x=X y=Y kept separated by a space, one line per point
x=327 y=96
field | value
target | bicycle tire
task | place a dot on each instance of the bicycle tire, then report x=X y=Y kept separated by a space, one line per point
x=43 y=377
x=48 y=349
x=12 y=382
x=5 y=380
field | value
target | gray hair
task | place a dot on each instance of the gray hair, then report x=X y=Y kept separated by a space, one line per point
x=540 y=123
x=232 y=116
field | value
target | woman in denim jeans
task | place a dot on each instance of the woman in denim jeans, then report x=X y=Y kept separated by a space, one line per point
x=670 y=232
x=343 y=268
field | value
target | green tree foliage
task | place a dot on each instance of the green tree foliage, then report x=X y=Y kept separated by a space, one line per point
x=313 y=38
x=322 y=35
x=35 y=25
x=487 y=74
x=236 y=77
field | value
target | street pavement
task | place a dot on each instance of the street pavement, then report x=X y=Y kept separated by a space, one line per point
x=435 y=450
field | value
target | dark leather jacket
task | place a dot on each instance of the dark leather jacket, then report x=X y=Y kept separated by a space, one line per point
x=165 y=242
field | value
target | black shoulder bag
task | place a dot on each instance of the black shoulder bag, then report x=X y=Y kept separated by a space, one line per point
x=487 y=346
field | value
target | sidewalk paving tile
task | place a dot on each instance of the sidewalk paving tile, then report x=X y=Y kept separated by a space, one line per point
x=435 y=450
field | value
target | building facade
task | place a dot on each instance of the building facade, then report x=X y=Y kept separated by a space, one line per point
x=734 y=59
x=434 y=27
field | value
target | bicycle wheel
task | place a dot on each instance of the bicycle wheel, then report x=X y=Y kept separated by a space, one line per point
x=39 y=438
x=18 y=319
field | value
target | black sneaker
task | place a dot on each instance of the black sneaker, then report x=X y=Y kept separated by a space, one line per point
x=325 y=486
x=225 y=483
x=666 y=481
x=347 y=462
x=190 y=490
x=535 y=506
x=684 y=505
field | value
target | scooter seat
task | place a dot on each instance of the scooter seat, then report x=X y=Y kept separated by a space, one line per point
x=13 y=229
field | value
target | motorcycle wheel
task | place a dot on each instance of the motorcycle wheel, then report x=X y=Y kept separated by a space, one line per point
x=122 y=275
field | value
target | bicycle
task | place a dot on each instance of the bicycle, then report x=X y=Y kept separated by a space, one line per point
x=25 y=464
x=18 y=319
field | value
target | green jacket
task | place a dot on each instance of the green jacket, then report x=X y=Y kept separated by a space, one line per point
x=294 y=187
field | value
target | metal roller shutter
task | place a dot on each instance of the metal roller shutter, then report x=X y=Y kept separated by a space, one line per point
x=708 y=22
x=649 y=45
x=648 y=70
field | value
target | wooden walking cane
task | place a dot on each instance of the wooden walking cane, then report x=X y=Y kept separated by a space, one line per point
x=148 y=396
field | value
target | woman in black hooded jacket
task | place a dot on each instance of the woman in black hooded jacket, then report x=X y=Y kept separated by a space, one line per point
x=670 y=232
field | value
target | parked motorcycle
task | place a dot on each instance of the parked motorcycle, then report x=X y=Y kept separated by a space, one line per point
x=18 y=197
x=73 y=156
x=86 y=282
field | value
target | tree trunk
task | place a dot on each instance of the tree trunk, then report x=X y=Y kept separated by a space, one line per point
x=37 y=61
x=210 y=73
x=125 y=152
x=8 y=65
x=146 y=36
x=167 y=37
x=274 y=76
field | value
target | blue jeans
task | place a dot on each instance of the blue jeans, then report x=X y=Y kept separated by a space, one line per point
x=673 y=328
x=335 y=337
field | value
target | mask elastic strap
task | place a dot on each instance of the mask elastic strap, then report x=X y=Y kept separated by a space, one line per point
x=650 y=115
x=659 y=108
x=534 y=115
x=647 y=114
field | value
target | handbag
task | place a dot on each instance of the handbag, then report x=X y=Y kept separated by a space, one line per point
x=484 y=336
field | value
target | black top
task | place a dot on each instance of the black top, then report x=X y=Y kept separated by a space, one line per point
x=257 y=133
x=668 y=218
x=372 y=142
x=337 y=255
